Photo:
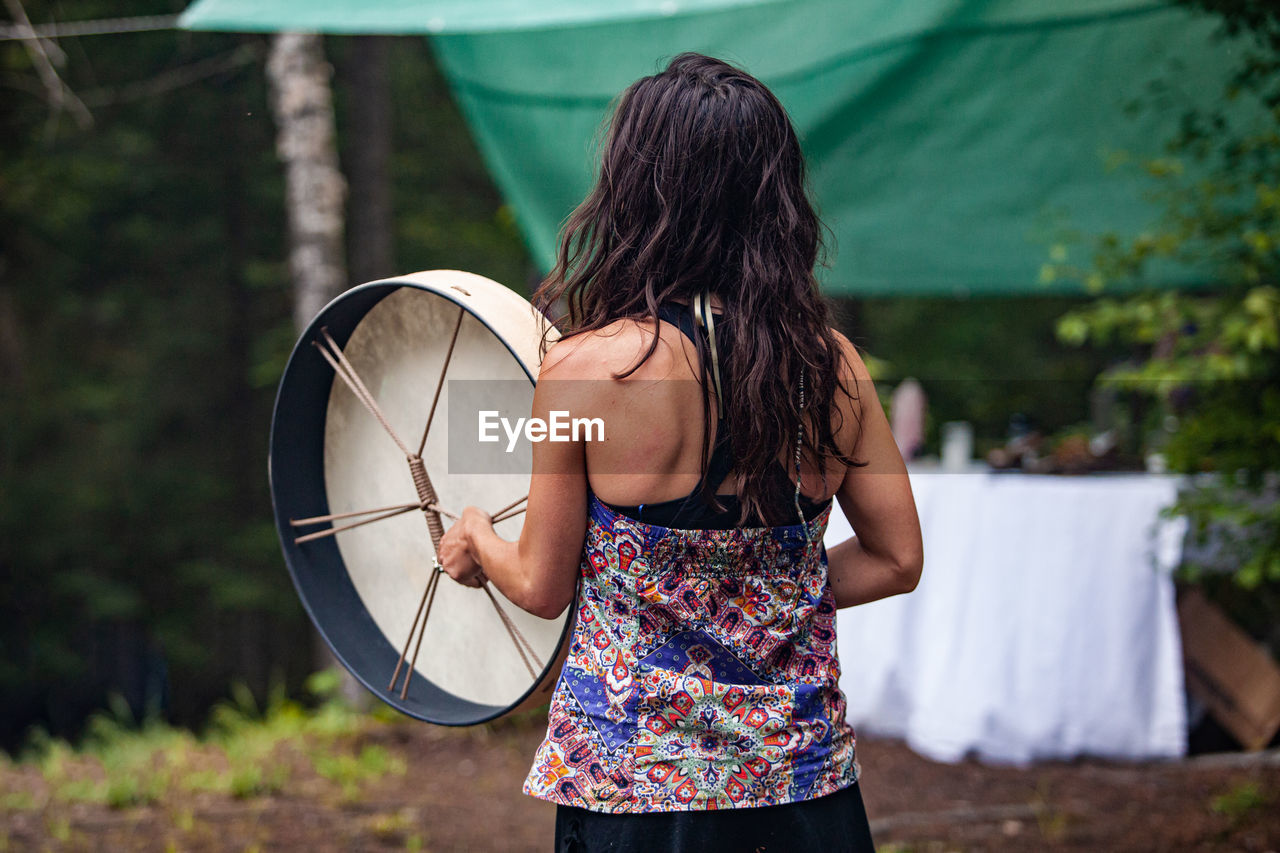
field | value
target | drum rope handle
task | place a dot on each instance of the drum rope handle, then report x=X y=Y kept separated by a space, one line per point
x=436 y=508
x=390 y=511
x=427 y=502
x=509 y=511
x=413 y=663
x=424 y=611
x=319 y=519
x=517 y=637
x=357 y=387
x=419 y=627
x=418 y=468
x=512 y=514
x=427 y=499
x=427 y=494
x=332 y=530
x=448 y=357
x=510 y=506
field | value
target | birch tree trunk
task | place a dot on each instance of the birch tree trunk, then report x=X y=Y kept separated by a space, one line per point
x=315 y=192
x=298 y=80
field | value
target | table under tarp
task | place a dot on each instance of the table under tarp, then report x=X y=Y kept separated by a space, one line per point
x=1044 y=625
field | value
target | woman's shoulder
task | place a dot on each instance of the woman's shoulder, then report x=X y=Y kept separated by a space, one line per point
x=605 y=352
x=855 y=397
x=851 y=363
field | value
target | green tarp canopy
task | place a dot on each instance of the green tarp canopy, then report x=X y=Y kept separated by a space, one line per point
x=951 y=143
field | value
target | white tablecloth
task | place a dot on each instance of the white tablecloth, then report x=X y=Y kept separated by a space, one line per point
x=1043 y=626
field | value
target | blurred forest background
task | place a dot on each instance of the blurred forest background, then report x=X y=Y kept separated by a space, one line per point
x=145 y=319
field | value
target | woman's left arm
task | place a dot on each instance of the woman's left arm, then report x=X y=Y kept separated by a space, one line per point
x=539 y=572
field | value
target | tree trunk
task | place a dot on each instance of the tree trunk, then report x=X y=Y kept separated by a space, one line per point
x=370 y=227
x=301 y=100
x=302 y=103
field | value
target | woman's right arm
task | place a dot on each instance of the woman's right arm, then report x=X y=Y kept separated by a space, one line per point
x=886 y=554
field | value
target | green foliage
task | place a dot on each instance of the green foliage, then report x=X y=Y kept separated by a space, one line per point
x=131 y=764
x=132 y=519
x=1241 y=801
x=1259 y=20
x=1210 y=362
x=352 y=771
x=18 y=801
x=395 y=828
x=145 y=319
x=246 y=752
x=983 y=359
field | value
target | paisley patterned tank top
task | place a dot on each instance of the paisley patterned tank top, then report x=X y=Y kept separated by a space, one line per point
x=701 y=674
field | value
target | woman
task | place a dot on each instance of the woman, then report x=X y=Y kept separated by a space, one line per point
x=699 y=707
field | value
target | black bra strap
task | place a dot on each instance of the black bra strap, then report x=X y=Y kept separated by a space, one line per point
x=680 y=316
x=721 y=461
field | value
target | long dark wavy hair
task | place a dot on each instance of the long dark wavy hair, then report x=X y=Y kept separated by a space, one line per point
x=702 y=187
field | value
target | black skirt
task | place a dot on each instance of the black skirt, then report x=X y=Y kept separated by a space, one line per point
x=831 y=824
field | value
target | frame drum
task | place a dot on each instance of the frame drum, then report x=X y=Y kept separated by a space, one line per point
x=338 y=463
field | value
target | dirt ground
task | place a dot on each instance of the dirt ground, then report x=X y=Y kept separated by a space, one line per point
x=461 y=791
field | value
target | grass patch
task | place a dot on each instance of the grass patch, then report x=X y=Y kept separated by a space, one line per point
x=1240 y=802
x=393 y=827
x=246 y=752
x=351 y=772
x=119 y=762
x=19 y=801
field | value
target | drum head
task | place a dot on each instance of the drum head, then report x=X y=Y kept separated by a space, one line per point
x=364 y=586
